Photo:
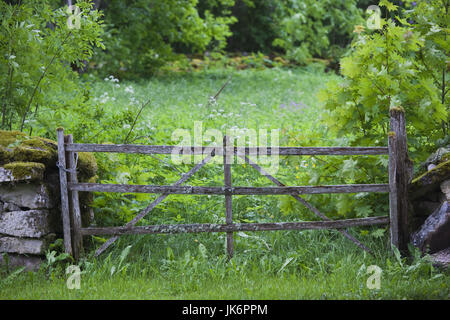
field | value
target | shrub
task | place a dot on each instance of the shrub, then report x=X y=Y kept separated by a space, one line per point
x=142 y=35
x=403 y=64
x=36 y=51
x=312 y=28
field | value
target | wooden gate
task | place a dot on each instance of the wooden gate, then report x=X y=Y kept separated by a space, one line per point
x=398 y=179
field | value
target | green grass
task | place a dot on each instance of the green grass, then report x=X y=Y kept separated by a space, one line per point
x=270 y=98
x=267 y=265
x=294 y=265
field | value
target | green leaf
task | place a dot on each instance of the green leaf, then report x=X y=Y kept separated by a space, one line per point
x=389 y=5
x=349 y=169
x=378 y=233
x=363 y=211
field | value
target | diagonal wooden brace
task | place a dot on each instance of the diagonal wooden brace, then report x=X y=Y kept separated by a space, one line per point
x=304 y=202
x=158 y=200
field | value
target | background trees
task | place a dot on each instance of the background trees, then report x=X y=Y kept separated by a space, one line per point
x=404 y=63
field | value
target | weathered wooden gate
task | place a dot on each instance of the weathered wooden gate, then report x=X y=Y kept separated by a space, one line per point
x=398 y=179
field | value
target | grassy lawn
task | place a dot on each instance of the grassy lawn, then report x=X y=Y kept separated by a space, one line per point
x=267 y=265
x=295 y=265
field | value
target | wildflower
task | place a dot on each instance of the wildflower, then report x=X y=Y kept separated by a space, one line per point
x=358 y=29
x=129 y=89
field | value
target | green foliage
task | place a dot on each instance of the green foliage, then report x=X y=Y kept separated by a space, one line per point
x=312 y=28
x=403 y=64
x=256 y=26
x=36 y=50
x=143 y=35
x=313 y=264
x=10 y=276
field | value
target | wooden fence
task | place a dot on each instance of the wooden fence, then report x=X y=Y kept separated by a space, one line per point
x=398 y=175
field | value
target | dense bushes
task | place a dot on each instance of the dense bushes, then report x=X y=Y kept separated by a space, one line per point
x=310 y=28
x=403 y=64
x=143 y=35
x=36 y=51
x=256 y=27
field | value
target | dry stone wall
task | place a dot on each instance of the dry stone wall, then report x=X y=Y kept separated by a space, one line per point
x=30 y=215
x=429 y=196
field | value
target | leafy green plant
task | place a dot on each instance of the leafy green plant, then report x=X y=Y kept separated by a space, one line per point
x=396 y=66
x=54 y=263
x=143 y=35
x=36 y=51
x=12 y=275
x=320 y=29
x=121 y=267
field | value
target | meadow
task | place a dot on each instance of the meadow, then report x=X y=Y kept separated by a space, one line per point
x=266 y=265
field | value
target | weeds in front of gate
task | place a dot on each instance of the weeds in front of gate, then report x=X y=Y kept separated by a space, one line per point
x=268 y=265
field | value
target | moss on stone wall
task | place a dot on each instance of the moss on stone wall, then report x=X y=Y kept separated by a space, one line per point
x=5 y=155
x=87 y=166
x=9 y=137
x=34 y=158
x=16 y=146
x=436 y=175
x=26 y=170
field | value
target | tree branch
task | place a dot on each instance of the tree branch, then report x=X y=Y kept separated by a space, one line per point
x=39 y=82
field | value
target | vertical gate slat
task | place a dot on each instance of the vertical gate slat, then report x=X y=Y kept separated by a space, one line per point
x=228 y=201
x=77 y=239
x=398 y=180
x=64 y=193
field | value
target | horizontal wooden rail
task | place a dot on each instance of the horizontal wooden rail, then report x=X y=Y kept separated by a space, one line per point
x=194 y=228
x=283 y=151
x=348 y=188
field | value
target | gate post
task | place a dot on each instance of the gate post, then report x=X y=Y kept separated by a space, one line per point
x=399 y=165
x=77 y=239
x=64 y=194
x=227 y=149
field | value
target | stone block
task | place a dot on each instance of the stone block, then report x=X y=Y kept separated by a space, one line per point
x=22 y=171
x=441 y=258
x=30 y=224
x=5 y=206
x=434 y=234
x=23 y=245
x=445 y=188
x=30 y=262
x=30 y=196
